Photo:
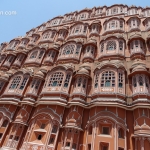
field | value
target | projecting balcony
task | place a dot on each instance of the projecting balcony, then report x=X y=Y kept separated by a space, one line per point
x=46 y=40
x=108 y=94
x=134 y=28
x=16 y=64
x=33 y=62
x=137 y=53
x=74 y=35
x=88 y=57
x=94 y=33
x=6 y=65
x=32 y=43
x=68 y=58
x=11 y=49
x=60 y=38
x=22 y=46
x=111 y=30
x=111 y=54
x=49 y=61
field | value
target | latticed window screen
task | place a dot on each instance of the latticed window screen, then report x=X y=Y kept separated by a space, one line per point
x=33 y=54
x=23 y=83
x=120 y=45
x=15 y=82
x=108 y=79
x=134 y=82
x=56 y=79
x=121 y=24
x=47 y=35
x=84 y=83
x=90 y=49
x=66 y=83
x=55 y=128
x=51 y=54
x=35 y=83
x=79 y=82
x=146 y=82
x=113 y=24
x=1 y=84
x=114 y=10
x=2 y=58
x=111 y=45
x=78 y=49
x=69 y=49
x=120 y=80
x=140 y=81
x=41 y=54
x=102 y=47
x=96 y=80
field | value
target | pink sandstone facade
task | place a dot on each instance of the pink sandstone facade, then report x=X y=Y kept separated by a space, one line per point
x=78 y=82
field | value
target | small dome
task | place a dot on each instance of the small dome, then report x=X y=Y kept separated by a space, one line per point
x=86 y=66
x=145 y=127
x=83 y=71
x=137 y=127
x=39 y=74
x=72 y=120
x=139 y=68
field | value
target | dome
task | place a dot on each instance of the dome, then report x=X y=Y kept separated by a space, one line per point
x=137 y=127
x=39 y=74
x=145 y=127
x=139 y=68
x=83 y=71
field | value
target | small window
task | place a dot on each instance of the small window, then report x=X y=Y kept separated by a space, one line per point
x=74 y=145
x=51 y=141
x=67 y=144
x=39 y=137
x=1 y=134
x=105 y=130
x=11 y=136
x=89 y=146
x=16 y=138
x=43 y=126
x=90 y=130
x=105 y=148
x=54 y=130
x=5 y=123
x=120 y=133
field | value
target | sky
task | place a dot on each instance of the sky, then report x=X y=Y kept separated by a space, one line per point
x=19 y=16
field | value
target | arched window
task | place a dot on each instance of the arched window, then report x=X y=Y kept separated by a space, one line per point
x=15 y=82
x=55 y=128
x=23 y=83
x=67 y=80
x=5 y=123
x=90 y=130
x=56 y=79
x=68 y=49
x=134 y=82
x=33 y=54
x=140 y=81
x=41 y=54
x=108 y=79
x=46 y=35
x=1 y=84
x=146 y=82
x=96 y=80
x=120 y=45
x=102 y=47
x=35 y=83
x=111 y=45
x=120 y=80
x=84 y=83
x=90 y=49
x=120 y=133
x=79 y=82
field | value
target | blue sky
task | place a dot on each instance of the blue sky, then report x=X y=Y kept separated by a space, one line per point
x=31 y=13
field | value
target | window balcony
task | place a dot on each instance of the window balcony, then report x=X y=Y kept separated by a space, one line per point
x=137 y=53
x=77 y=34
x=46 y=40
x=88 y=57
x=11 y=48
x=22 y=46
x=114 y=29
x=134 y=28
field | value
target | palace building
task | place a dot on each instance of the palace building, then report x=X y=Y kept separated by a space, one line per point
x=78 y=82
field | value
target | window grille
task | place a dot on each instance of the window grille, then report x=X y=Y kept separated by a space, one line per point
x=15 y=82
x=120 y=80
x=56 y=79
x=23 y=83
x=67 y=80
x=108 y=79
x=111 y=45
